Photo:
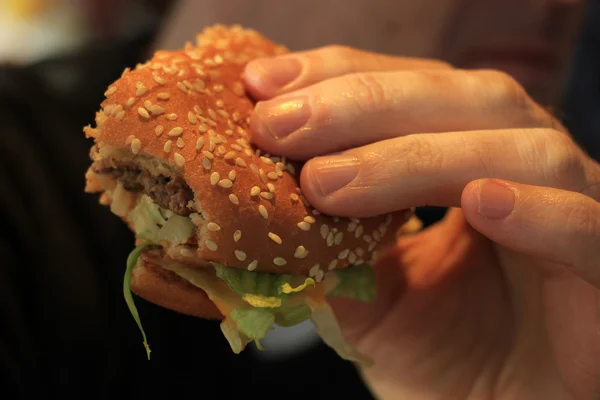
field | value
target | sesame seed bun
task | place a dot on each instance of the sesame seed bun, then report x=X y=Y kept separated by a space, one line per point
x=185 y=115
x=165 y=288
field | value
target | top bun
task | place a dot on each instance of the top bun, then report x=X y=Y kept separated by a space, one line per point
x=185 y=115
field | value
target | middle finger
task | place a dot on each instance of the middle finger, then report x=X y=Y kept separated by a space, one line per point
x=358 y=109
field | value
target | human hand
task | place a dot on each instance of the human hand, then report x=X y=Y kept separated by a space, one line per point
x=501 y=299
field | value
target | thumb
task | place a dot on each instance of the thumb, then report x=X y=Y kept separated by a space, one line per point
x=551 y=224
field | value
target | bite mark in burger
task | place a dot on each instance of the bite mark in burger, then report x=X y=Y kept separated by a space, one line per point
x=222 y=228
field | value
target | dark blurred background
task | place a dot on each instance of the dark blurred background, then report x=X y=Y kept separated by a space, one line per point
x=64 y=326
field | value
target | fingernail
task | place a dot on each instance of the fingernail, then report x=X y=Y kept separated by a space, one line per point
x=276 y=72
x=281 y=117
x=332 y=173
x=495 y=200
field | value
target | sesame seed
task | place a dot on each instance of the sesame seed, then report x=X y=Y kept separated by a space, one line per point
x=332 y=264
x=171 y=117
x=271 y=187
x=372 y=246
x=143 y=112
x=273 y=175
x=359 y=251
x=199 y=143
x=300 y=252
x=221 y=150
x=211 y=245
x=206 y=163
x=275 y=238
x=156 y=109
x=129 y=139
x=343 y=254
x=236 y=147
x=140 y=91
x=219 y=60
x=360 y=261
x=237 y=236
x=163 y=96
x=120 y=115
x=313 y=270
x=263 y=211
x=254 y=191
x=359 y=231
x=240 y=255
x=351 y=226
x=266 y=160
x=212 y=114
x=330 y=239
x=229 y=132
x=320 y=275
x=214 y=178
x=305 y=226
x=290 y=169
x=202 y=128
x=294 y=197
x=234 y=199
x=376 y=236
x=352 y=258
x=186 y=252
x=199 y=85
x=136 y=146
x=254 y=168
x=208 y=154
x=130 y=101
x=324 y=231
x=279 y=261
x=139 y=84
x=188 y=85
x=238 y=89
x=232 y=175
x=197 y=109
x=252 y=266
x=179 y=160
x=338 y=238
x=167 y=146
x=316 y=212
x=248 y=152
x=367 y=238
x=309 y=219
x=240 y=162
x=211 y=145
x=180 y=143
x=110 y=90
x=213 y=227
x=225 y=183
x=159 y=80
x=192 y=118
x=147 y=104
x=175 y=131
x=159 y=130
x=182 y=87
x=218 y=88
x=266 y=195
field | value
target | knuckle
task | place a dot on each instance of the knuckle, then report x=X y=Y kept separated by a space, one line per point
x=583 y=218
x=367 y=90
x=419 y=155
x=337 y=50
x=509 y=94
x=564 y=164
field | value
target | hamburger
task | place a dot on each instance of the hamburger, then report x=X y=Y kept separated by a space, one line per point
x=222 y=229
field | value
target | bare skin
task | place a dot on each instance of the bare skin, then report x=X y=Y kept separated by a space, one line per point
x=501 y=299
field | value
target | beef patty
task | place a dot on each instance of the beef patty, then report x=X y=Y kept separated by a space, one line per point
x=171 y=193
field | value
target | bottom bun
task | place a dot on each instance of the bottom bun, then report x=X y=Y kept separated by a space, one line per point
x=166 y=289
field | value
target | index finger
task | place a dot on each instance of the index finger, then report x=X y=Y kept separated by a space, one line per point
x=269 y=77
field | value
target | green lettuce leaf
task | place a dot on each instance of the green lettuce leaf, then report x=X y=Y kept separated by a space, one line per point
x=356 y=282
x=292 y=315
x=329 y=329
x=265 y=284
x=131 y=261
x=254 y=323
